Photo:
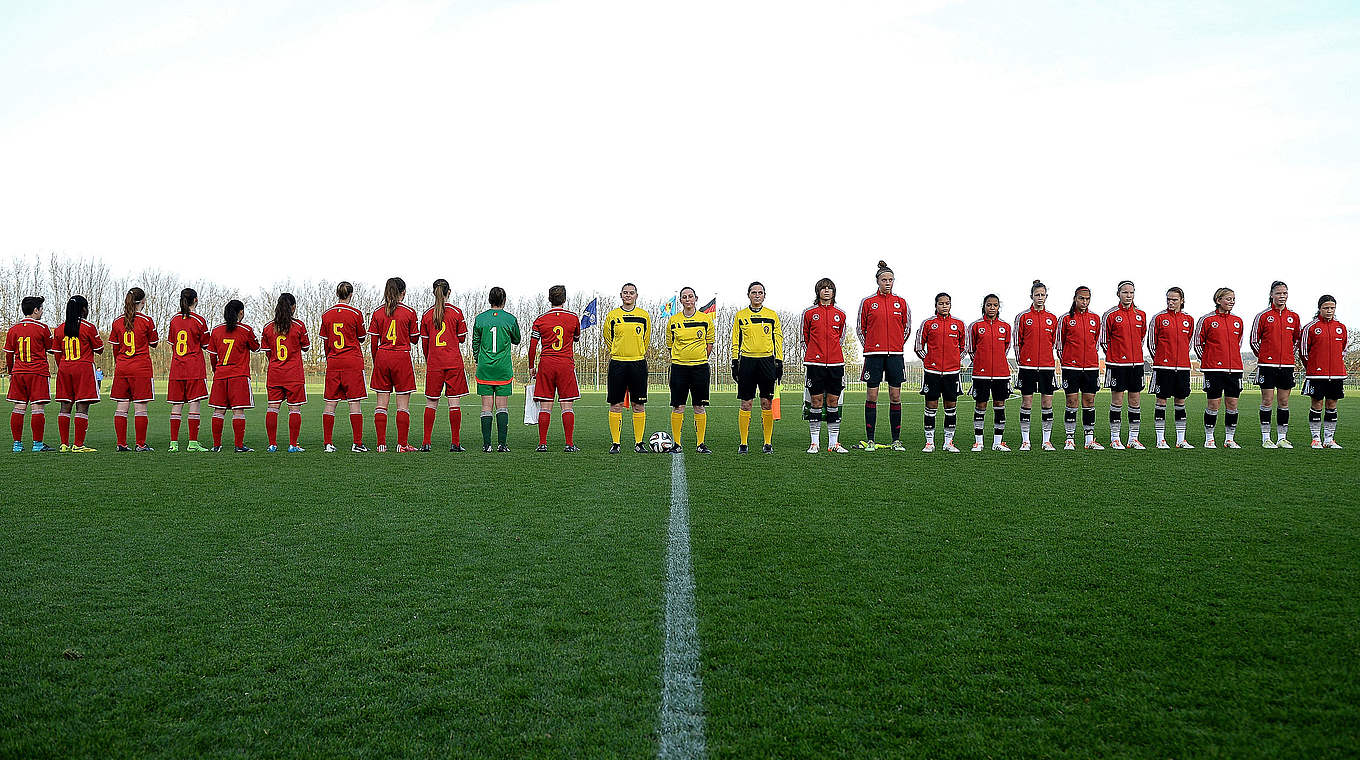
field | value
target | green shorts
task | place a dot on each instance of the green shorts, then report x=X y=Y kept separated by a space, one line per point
x=506 y=389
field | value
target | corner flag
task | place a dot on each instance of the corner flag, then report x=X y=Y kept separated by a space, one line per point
x=589 y=317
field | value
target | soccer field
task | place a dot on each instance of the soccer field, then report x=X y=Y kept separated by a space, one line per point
x=1064 y=604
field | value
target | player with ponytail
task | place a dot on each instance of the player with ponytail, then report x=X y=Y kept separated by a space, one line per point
x=1035 y=331
x=76 y=344
x=284 y=341
x=230 y=345
x=393 y=329
x=883 y=326
x=1077 y=339
x=341 y=336
x=132 y=337
x=188 y=331
x=443 y=330
x=1275 y=336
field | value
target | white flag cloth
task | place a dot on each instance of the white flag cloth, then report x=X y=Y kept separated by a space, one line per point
x=530 y=408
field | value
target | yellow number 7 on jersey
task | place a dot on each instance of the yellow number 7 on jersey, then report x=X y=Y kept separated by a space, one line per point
x=231 y=343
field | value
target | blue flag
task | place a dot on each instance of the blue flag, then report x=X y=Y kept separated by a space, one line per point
x=589 y=317
x=669 y=308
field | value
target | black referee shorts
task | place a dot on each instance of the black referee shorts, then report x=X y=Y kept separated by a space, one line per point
x=690 y=381
x=755 y=372
x=628 y=377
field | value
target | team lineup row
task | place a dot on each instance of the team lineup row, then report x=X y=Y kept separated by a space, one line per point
x=1041 y=341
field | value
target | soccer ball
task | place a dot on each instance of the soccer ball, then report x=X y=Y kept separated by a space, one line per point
x=660 y=442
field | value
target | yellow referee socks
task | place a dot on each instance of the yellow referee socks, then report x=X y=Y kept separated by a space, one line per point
x=700 y=427
x=767 y=424
x=677 y=420
x=615 y=425
x=744 y=424
x=639 y=426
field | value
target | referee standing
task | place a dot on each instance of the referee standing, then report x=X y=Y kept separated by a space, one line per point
x=758 y=343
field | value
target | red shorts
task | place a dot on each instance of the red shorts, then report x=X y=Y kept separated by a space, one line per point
x=447 y=382
x=184 y=391
x=28 y=389
x=392 y=373
x=292 y=393
x=75 y=382
x=136 y=389
x=231 y=393
x=345 y=385
x=556 y=378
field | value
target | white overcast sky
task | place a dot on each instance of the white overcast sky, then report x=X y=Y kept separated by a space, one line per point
x=973 y=145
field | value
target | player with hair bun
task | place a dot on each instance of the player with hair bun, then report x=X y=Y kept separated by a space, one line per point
x=690 y=335
x=284 y=341
x=1076 y=342
x=392 y=330
x=1168 y=345
x=940 y=343
x=1035 y=331
x=443 y=330
x=188 y=331
x=230 y=345
x=27 y=343
x=132 y=337
x=341 y=336
x=824 y=327
x=1275 y=337
x=1323 y=351
x=1218 y=342
x=75 y=344
x=1123 y=329
x=987 y=342
x=883 y=327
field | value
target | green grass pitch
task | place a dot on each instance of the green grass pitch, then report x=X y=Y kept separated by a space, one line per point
x=1069 y=604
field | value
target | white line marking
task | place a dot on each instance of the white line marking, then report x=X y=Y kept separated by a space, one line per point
x=682 y=709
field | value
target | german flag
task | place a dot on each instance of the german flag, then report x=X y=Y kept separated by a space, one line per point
x=711 y=307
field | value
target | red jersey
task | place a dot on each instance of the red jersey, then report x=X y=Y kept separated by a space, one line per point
x=397 y=331
x=555 y=332
x=884 y=323
x=1122 y=332
x=26 y=347
x=231 y=350
x=940 y=343
x=132 y=348
x=988 y=341
x=284 y=352
x=1168 y=342
x=80 y=348
x=1218 y=341
x=1078 y=334
x=342 y=335
x=823 y=334
x=1034 y=334
x=1275 y=336
x=187 y=336
x=1323 y=349
x=441 y=344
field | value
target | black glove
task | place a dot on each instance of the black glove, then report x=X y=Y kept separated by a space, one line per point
x=734 y=370
x=778 y=369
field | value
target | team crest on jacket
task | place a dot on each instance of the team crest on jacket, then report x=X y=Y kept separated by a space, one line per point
x=897 y=305
x=1214 y=323
x=1001 y=329
x=1290 y=320
x=1270 y=320
x=767 y=329
x=934 y=325
x=873 y=306
x=953 y=328
x=1338 y=331
x=1318 y=331
x=1029 y=322
x=1118 y=319
x=982 y=330
x=816 y=317
x=1166 y=323
x=835 y=318
x=639 y=329
x=1048 y=321
x=1072 y=322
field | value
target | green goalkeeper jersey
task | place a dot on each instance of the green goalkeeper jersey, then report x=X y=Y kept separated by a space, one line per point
x=493 y=333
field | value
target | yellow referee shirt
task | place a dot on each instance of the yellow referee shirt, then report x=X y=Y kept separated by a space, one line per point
x=688 y=338
x=627 y=333
x=758 y=333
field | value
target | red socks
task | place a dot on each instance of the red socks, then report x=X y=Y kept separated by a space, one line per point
x=403 y=427
x=429 y=423
x=217 y=423
x=238 y=429
x=82 y=425
x=327 y=428
x=16 y=425
x=174 y=427
x=271 y=427
x=569 y=425
x=356 y=423
x=140 y=422
x=455 y=422
x=294 y=427
x=64 y=427
x=193 y=426
x=543 y=419
x=380 y=422
x=119 y=428
x=37 y=421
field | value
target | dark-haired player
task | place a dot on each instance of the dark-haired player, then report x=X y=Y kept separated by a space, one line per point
x=1323 y=351
x=230 y=345
x=824 y=326
x=883 y=326
x=284 y=341
x=1218 y=342
x=188 y=331
x=342 y=334
x=131 y=339
x=392 y=330
x=1123 y=328
x=27 y=344
x=627 y=333
x=494 y=334
x=1169 y=346
x=940 y=342
x=1035 y=331
x=758 y=348
x=987 y=342
x=75 y=344
x=442 y=333
x=1077 y=344
x=552 y=366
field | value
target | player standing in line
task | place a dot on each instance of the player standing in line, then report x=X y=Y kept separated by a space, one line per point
x=1323 y=351
x=1078 y=334
x=1218 y=342
x=27 y=344
x=230 y=345
x=758 y=342
x=940 y=342
x=1035 y=331
x=1123 y=328
x=284 y=341
x=556 y=332
x=494 y=332
x=627 y=332
x=132 y=337
x=187 y=331
x=342 y=331
x=689 y=338
x=1168 y=344
x=443 y=330
x=1275 y=337
x=824 y=359
x=883 y=326
x=392 y=330
x=75 y=346
x=988 y=342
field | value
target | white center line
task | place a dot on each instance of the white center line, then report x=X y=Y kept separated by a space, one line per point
x=682 y=708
